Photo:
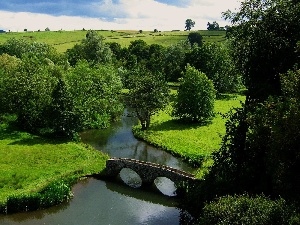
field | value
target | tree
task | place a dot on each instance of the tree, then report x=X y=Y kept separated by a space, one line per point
x=175 y=60
x=195 y=38
x=189 y=23
x=96 y=94
x=196 y=96
x=264 y=35
x=260 y=151
x=216 y=62
x=213 y=26
x=92 y=48
x=148 y=93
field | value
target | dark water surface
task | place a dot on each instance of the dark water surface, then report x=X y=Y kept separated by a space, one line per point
x=106 y=202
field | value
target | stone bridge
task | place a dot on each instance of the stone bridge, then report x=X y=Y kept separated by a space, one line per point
x=147 y=171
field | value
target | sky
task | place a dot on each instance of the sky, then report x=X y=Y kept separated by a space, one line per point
x=163 y=15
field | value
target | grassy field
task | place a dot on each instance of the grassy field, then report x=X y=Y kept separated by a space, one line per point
x=30 y=163
x=190 y=141
x=63 y=40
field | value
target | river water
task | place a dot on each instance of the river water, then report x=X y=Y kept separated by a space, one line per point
x=112 y=202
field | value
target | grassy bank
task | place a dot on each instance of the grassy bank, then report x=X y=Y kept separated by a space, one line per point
x=63 y=40
x=36 y=170
x=192 y=142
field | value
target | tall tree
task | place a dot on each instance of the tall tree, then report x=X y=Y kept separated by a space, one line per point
x=189 y=23
x=260 y=151
x=196 y=96
x=92 y=48
x=148 y=93
x=264 y=36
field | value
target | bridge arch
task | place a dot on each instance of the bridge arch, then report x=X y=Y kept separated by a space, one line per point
x=147 y=171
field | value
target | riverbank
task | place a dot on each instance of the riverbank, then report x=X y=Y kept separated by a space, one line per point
x=39 y=172
x=193 y=142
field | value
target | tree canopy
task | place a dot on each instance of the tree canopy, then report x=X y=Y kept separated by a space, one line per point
x=189 y=24
x=148 y=93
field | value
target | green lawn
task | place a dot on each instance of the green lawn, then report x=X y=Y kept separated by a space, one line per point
x=190 y=141
x=30 y=163
x=63 y=40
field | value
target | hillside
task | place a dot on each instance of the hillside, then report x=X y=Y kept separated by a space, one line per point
x=63 y=40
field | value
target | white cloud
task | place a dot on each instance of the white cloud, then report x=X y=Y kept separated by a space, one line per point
x=133 y=14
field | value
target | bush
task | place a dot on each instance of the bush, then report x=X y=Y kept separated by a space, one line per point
x=248 y=211
x=196 y=97
x=54 y=194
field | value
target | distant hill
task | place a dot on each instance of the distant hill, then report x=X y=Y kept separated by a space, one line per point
x=63 y=40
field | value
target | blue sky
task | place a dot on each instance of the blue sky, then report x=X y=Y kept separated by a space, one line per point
x=16 y=15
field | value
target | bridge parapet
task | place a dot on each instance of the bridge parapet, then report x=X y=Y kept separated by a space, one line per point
x=147 y=171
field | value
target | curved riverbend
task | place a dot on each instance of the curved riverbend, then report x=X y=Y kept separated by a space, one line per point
x=105 y=202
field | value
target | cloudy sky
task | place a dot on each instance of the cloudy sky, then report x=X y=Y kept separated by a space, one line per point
x=16 y=15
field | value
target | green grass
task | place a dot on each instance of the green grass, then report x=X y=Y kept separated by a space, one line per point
x=30 y=163
x=63 y=40
x=192 y=142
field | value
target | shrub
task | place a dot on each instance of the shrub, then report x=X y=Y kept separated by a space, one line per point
x=248 y=211
x=196 y=97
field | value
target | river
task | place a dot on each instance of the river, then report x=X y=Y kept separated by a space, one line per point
x=107 y=202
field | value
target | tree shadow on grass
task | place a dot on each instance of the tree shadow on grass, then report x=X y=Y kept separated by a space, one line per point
x=23 y=138
x=226 y=97
x=36 y=140
x=178 y=125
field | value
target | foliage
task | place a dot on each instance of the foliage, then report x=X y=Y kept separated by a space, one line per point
x=189 y=23
x=92 y=48
x=196 y=96
x=54 y=194
x=26 y=92
x=213 y=26
x=264 y=35
x=22 y=48
x=195 y=38
x=216 y=62
x=95 y=92
x=51 y=99
x=264 y=158
x=248 y=210
x=260 y=149
x=148 y=93
x=175 y=60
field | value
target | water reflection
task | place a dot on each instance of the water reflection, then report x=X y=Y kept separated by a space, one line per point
x=94 y=204
x=131 y=178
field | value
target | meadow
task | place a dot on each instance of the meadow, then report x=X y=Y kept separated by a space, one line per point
x=29 y=163
x=63 y=40
x=191 y=141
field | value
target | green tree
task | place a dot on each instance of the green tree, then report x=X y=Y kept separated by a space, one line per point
x=195 y=38
x=213 y=26
x=26 y=92
x=260 y=151
x=148 y=93
x=61 y=119
x=140 y=49
x=175 y=60
x=92 y=48
x=264 y=35
x=189 y=24
x=21 y=48
x=196 y=96
x=216 y=62
x=96 y=94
